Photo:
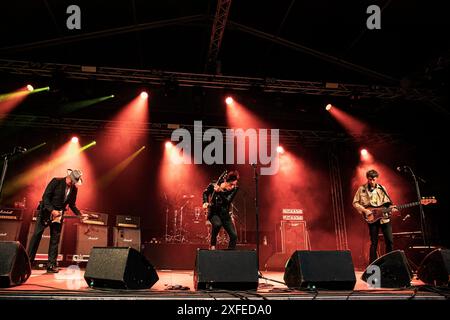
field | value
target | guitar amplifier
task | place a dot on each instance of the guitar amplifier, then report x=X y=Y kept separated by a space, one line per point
x=10 y=230
x=89 y=236
x=11 y=213
x=127 y=237
x=128 y=221
x=42 y=251
x=96 y=218
x=293 y=236
x=292 y=215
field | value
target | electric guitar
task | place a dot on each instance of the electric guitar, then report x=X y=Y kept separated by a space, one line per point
x=48 y=218
x=222 y=176
x=385 y=211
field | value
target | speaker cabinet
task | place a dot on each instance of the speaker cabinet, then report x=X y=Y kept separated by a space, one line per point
x=42 y=251
x=435 y=268
x=119 y=268
x=293 y=236
x=127 y=237
x=395 y=271
x=332 y=270
x=9 y=230
x=89 y=236
x=15 y=266
x=226 y=269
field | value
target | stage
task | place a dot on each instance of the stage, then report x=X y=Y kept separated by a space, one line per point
x=69 y=284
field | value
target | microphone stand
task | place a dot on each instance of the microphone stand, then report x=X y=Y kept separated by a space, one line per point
x=255 y=176
x=5 y=167
x=6 y=157
x=422 y=214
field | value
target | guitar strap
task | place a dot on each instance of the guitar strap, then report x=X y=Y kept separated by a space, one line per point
x=382 y=189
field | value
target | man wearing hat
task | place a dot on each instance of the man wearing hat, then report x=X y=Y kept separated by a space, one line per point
x=59 y=193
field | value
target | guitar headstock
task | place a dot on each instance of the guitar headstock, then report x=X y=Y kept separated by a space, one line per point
x=428 y=200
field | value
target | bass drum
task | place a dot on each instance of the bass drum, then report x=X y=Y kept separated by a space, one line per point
x=196 y=226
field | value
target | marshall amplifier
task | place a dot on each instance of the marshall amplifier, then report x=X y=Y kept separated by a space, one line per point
x=11 y=213
x=96 y=218
x=89 y=236
x=42 y=252
x=127 y=237
x=10 y=224
x=128 y=221
x=9 y=230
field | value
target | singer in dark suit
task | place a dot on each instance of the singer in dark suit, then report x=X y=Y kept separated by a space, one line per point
x=217 y=199
x=59 y=194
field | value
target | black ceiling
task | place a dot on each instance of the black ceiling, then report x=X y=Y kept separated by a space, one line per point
x=413 y=36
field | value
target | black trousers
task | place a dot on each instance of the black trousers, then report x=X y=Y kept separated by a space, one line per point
x=386 y=229
x=55 y=234
x=225 y=221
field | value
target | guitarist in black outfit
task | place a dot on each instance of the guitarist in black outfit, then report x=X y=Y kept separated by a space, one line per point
x=59 y=193
x=217 y=199
x=375 y=195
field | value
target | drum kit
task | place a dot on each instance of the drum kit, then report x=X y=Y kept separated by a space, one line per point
x=188 y=223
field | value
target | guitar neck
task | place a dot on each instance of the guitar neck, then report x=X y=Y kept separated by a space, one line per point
x=408 y=205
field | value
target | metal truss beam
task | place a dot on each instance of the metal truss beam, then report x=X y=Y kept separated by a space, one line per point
x=157 y=77
x=102 y=33
x=218 y=28
x=163 y=131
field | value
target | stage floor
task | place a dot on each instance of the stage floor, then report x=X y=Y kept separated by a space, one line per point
x=69 y=284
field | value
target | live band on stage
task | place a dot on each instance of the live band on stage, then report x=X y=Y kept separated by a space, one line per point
x=210 y=220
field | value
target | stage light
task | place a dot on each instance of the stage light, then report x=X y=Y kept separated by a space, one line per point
x=229 y=100
x=328 y=107
x=280 y=149
x=144 y=95
x=169 y=145
x=30 y=87
x=364 y=152
x=74 y=139
x=111 y=96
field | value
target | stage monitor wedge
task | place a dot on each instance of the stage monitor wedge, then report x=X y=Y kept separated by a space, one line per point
x=226 y=269
x=15 y=266
x=119 y=268
x=435 y=268
x=395 y=271
x=320 y=270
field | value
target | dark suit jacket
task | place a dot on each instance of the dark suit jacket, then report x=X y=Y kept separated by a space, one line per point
x=53 y=197
x=221 y=202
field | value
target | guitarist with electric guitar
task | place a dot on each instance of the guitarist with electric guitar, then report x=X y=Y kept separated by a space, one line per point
x=217 y=199
x=375 y=205
x=59 y=194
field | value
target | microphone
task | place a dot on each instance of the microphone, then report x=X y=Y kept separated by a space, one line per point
x=406 y=217
x=253 y=165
